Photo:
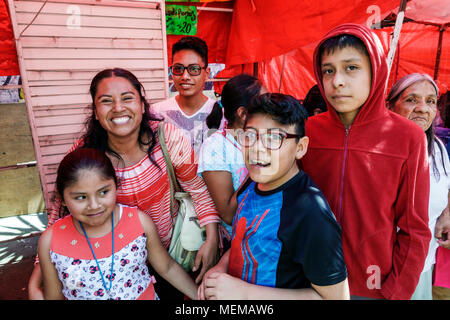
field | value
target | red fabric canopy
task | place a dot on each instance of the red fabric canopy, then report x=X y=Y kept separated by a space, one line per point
x=8 y=56
x=429 y=11
x=417 y=52
x=291 y=71
x=281 y=36
x=265 y=29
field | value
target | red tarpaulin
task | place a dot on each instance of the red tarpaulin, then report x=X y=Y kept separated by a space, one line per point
x=8 y=56
x=424 y=44
x=265 y=29
x=282 y=40
x=281 y=36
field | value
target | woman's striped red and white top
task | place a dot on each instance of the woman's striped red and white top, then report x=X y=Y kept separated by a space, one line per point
x=145 y=186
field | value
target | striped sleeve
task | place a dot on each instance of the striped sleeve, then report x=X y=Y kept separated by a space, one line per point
x=185 y=165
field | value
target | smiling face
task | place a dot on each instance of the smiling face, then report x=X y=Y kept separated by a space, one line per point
x=187 y=85
x=418 y=103
x=272 y=168
x=346 y=78
x=118 y=107
x=91 y=198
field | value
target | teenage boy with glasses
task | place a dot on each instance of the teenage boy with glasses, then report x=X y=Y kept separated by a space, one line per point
x=188 y=110
x=286 y=243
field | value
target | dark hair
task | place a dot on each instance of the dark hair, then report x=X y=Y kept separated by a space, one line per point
x=237 y=92
x=96 y=136
x=82 y=159
x=340 y=42
x=192 y=43
x=282 y=108
x=444 y=108
x=314 y=100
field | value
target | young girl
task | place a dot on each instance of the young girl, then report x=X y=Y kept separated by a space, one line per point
x=99 y=251
x=220 y=160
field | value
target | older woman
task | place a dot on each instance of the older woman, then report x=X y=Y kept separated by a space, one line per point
x=122 y=126
x=415 y=98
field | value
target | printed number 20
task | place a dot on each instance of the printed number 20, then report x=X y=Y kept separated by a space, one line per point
x=186 y=27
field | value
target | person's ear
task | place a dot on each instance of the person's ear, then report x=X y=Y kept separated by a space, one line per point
x=95 y=113
x=207 y=71
x=302 y=147
x=143 y=105
x=63 y=203
x=241 y=112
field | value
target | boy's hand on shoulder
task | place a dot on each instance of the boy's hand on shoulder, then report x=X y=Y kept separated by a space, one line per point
x=222 y=286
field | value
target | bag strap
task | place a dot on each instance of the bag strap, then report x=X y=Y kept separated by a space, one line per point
x=174 y=187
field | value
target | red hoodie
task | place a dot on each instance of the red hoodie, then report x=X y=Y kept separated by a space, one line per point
x=375 y=177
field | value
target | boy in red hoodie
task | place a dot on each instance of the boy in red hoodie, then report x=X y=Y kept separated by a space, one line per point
x=371 y=165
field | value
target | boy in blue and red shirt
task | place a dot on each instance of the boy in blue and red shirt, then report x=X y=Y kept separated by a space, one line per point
x=286 y=242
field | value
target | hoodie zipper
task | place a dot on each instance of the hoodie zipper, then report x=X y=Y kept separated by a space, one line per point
x=341 y=192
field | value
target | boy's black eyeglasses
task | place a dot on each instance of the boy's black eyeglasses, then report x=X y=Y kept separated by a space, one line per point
x=193 y=69
x=272 y=139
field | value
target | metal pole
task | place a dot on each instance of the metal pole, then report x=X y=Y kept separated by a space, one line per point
x=281 y=73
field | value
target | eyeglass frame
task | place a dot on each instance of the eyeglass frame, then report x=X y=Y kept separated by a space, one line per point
x=186 y=68
x=283 y=133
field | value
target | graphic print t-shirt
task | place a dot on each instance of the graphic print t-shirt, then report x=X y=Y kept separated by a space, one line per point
x=194 y=126
x=287 y=237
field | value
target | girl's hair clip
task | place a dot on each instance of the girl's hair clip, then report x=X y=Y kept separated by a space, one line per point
x=220 y=103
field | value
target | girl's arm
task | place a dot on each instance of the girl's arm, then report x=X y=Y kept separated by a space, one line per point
x=220 y=187
x=163 y=263
x=52 y=285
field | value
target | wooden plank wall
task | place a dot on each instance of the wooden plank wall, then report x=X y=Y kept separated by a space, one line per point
x=62 y=44
x=20 y=189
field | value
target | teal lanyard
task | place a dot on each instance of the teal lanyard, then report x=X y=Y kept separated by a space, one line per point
x=112 y=259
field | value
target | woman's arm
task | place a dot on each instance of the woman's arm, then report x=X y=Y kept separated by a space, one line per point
x=220 y=267
x=163 y=263
x=52 y=285
x=207 y=254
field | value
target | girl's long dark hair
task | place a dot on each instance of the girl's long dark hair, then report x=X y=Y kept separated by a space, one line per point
x=237 y=92
x=96 y=136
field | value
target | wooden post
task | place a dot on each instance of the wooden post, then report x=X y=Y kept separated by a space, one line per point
x=28 y=101
x=438 y=52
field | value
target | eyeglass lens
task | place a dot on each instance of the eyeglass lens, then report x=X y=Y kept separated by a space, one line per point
x=193 y=69
x=271 y=140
